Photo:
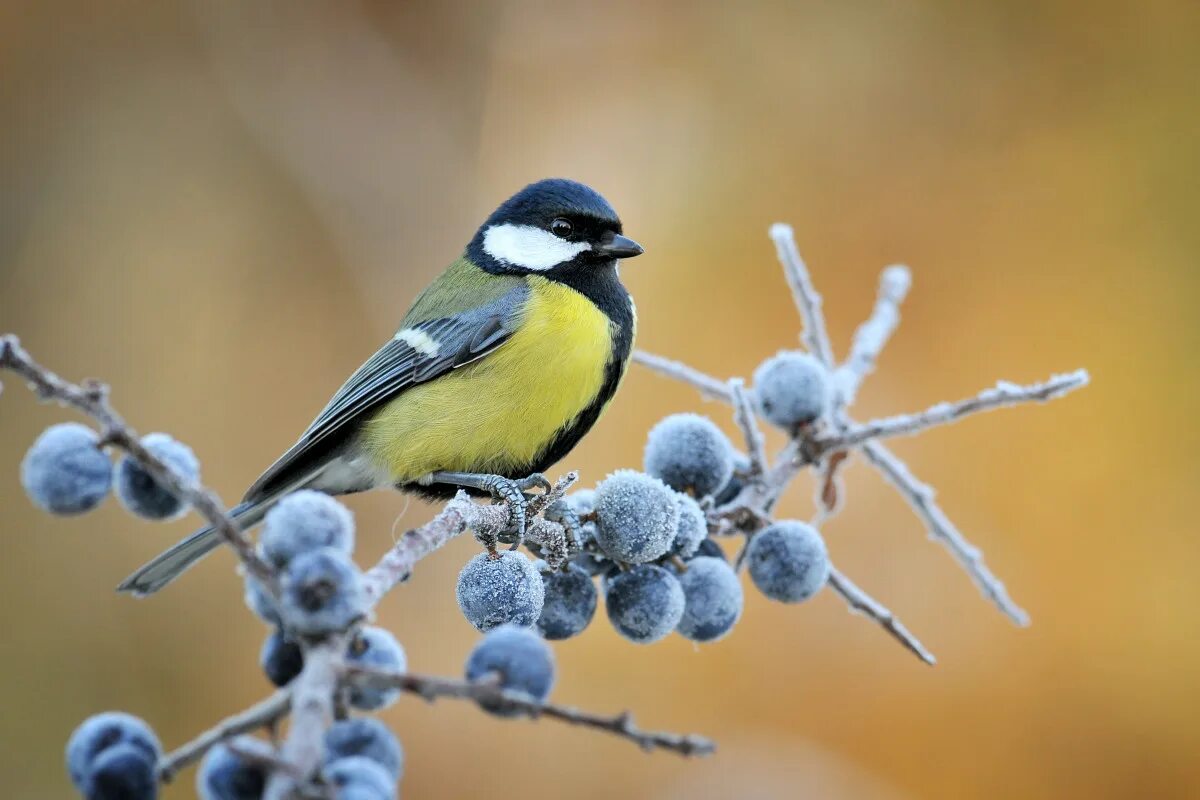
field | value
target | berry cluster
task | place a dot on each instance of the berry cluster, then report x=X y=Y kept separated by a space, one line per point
x=646 y=535
x=67 y=472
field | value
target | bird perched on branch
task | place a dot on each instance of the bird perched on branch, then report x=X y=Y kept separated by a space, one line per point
x=499 y=368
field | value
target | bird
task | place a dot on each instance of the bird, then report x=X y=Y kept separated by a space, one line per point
x=496 y=372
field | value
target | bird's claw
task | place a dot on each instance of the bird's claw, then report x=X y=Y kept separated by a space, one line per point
x=513 y=493
x=564 y=514
x=536 y=481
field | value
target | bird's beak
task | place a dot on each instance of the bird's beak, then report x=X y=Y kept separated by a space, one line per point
x=614 y=245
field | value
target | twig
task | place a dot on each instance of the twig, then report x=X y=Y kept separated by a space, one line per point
x=260 y=715
x=707 y=385
x=815 y=336
x=872 y=335
x=1003 y=394
x=868 y=342
x=918 y=495
x=313 y=693
x=459 y=515
x=91 y=399
x=621 y=724
x=862 y=603
x=921 y=497
x=743 y=414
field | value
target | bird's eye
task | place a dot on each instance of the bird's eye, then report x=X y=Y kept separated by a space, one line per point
x=562 y=228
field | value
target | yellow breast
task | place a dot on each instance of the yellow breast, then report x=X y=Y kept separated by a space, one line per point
x=499 y=413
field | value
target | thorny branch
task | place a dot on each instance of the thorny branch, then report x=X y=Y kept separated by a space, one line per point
x=260 y=715
x=754 y=506
x=920 y=497
x=869 y=340
x=871 y=337
x=808 y=302
x=862 y=603
x=801 y=452
x=707 y=385
x=621 y=724
x=313 y=692
x=91 y=399
x=743 y=413
x=1001 y=395
x=844 y=435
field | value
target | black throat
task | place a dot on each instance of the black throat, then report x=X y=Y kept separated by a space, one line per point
x=600 y=284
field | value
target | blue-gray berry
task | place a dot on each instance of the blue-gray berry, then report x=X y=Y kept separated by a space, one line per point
x=582 y=500
x=788 y=561
x=101 y=732
x=710 y=548
x=570 y=601
x=367 y=737
x=378 y=648
x=122 y=772
x=304 y=521
x=506 y=588
x=592 y=563
x=64 y=472
x=226 y=775
x=712 y=599
x=359 y=778
x=258 y=601
x=691 y=529
x=522 y=660
x=144 y=496
x=733 y=487
x=791 y=389
x=637 y=516
x=281 y=659
x=322 y=591
x=690 y=454
x=645 y=603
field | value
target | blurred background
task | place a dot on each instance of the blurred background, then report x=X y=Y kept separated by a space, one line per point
x=222 y=207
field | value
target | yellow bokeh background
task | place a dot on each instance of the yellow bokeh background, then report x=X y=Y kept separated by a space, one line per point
x=222 y=207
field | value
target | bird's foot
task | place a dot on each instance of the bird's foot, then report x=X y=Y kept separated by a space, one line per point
x=503 y=490
x=564 y=514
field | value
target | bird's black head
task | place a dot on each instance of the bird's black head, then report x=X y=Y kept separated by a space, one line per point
x=553 y=226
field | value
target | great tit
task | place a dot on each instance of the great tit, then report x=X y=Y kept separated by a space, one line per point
x=499 y=368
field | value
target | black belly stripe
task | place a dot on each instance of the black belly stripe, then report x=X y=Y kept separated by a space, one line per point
x=604 y=288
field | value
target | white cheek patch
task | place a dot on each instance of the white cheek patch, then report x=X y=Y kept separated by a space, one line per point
x=528 y=247
x=420 y=341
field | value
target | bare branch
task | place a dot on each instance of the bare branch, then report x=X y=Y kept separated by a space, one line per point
x=743 y=414
x=815 y=336
x=91 y=399
x=707 y=385
x=260 y=715
x=862 y=603
x=921 y=497
x=313 y=692
x=1002 y=395
x=872 y=335
x=622 y=724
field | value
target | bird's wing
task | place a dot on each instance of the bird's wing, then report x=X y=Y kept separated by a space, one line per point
x=417 y=354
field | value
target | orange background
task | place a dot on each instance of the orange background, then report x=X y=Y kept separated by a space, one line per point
x=222 y=207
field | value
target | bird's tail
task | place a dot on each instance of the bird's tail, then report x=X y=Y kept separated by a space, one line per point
x=170 y=564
